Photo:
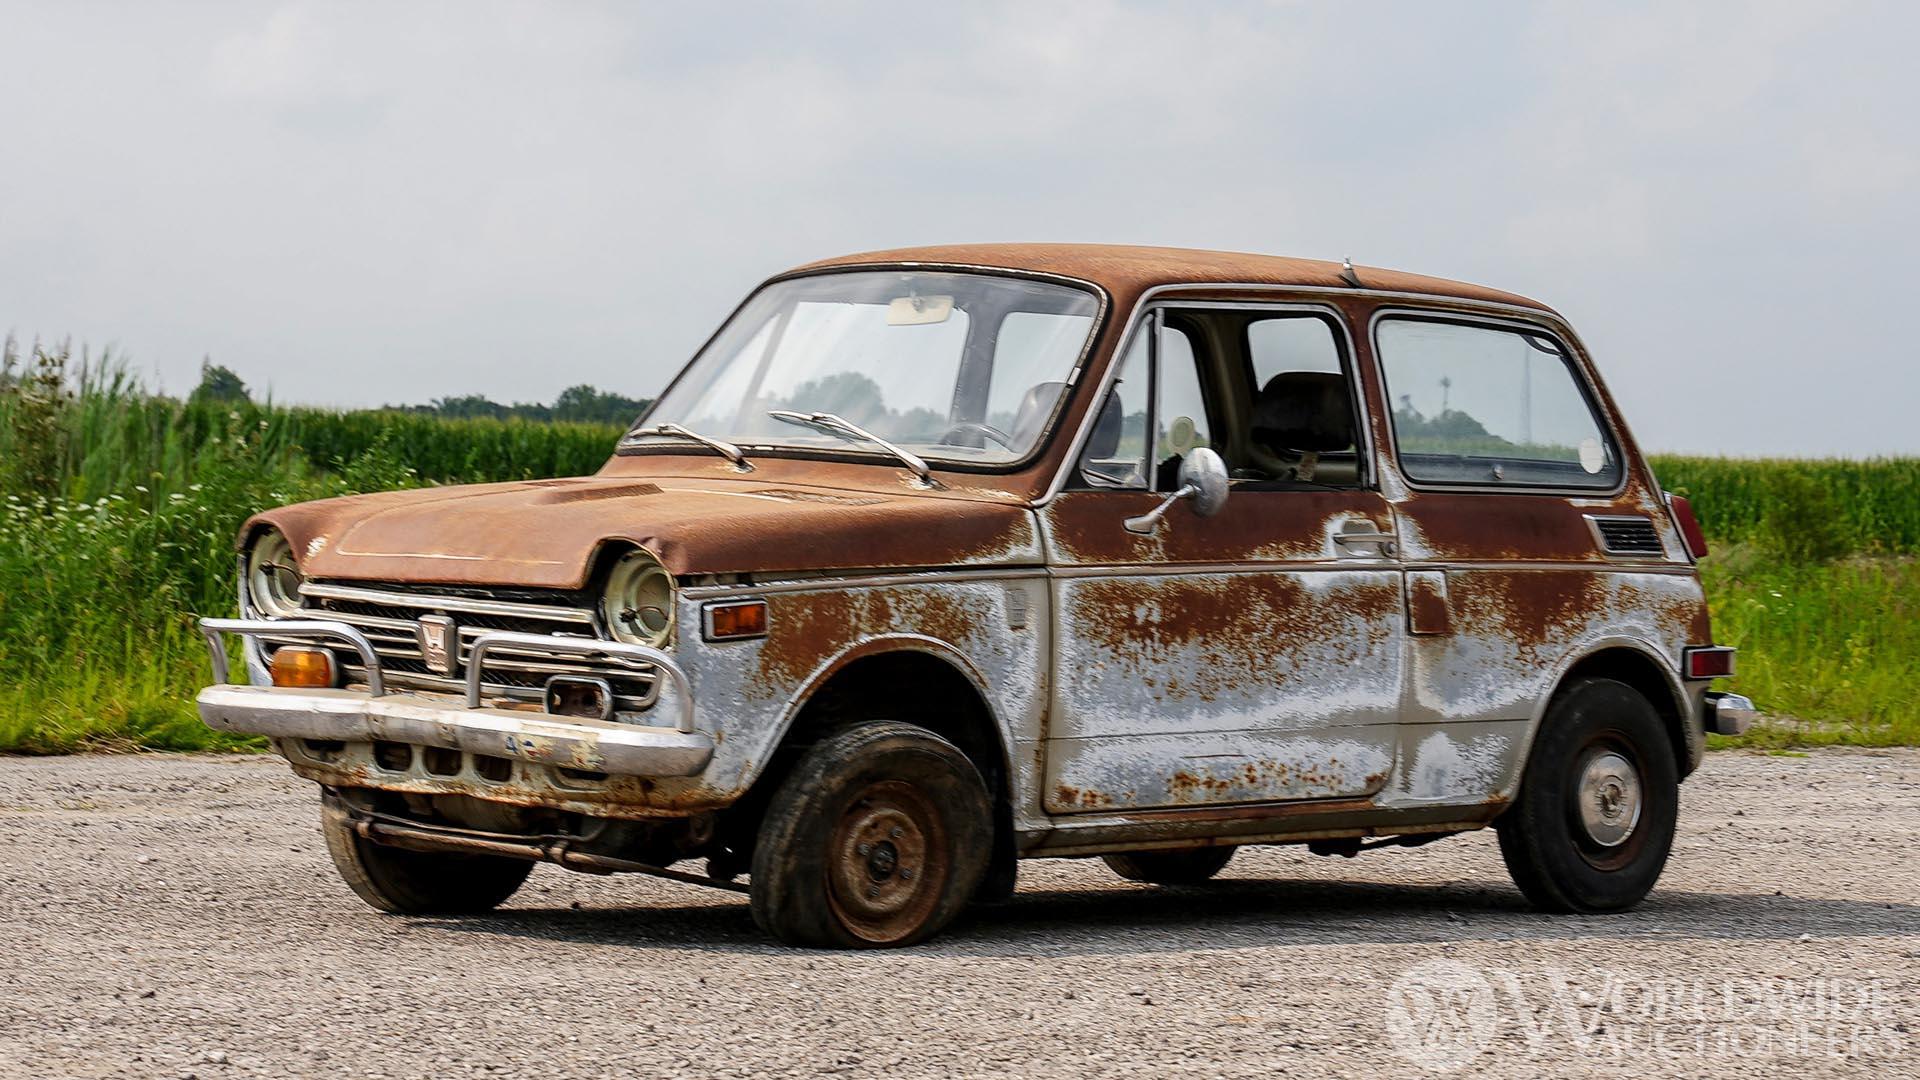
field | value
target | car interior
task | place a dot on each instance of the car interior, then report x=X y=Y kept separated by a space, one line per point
x=1267 y=390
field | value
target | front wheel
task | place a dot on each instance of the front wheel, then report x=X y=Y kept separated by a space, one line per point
x=877 y=838
x=1592 y=826
x=403 y=882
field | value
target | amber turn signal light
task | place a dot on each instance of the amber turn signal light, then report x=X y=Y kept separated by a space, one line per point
x=300 y=665
x=735 y=619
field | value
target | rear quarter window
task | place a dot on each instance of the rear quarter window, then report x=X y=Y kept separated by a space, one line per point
x=1491 y=406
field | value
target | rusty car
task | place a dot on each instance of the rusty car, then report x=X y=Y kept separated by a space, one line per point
x=934 y=560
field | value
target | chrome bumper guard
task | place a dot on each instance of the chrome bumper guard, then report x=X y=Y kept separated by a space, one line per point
x=1729 y=714
x=422 y=720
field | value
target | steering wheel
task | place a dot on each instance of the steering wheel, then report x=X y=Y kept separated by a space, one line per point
x=969 y=427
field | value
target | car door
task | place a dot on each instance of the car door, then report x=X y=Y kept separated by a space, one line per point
x=1527 y=538
x=1256 y=655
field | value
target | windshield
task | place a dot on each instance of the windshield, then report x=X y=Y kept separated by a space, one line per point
x=962 y=367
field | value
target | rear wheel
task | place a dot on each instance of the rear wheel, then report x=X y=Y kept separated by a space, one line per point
x=1594 y=821
x=877 y=838
x=405 y=882
x=1188 y=867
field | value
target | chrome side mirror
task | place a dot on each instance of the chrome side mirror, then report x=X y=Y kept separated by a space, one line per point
x=1203 y=478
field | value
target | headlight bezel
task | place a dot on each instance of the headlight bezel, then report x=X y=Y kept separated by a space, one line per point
x=636 y=586
x=272 y=577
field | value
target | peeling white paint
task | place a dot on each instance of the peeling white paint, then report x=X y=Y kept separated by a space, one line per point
x=1449 y=768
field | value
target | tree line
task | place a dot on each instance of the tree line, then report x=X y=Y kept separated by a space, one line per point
x=582 y=403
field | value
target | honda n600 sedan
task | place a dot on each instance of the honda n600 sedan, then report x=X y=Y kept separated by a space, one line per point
x=938 y=559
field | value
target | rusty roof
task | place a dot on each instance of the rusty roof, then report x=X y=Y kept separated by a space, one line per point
x=1126 y=271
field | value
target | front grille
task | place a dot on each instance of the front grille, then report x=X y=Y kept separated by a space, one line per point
x=389 y=616
x=1628 y=536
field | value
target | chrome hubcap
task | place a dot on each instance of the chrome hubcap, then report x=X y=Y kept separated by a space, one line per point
x=1609 y=798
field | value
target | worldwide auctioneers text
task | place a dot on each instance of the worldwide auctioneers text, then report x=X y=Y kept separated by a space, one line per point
x=1444 y=1014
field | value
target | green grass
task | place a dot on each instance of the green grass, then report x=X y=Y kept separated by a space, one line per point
x=1814 y=578
x=1830 y=651
x=118 y=511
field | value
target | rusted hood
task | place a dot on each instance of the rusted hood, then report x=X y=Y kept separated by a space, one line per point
x=545 y=533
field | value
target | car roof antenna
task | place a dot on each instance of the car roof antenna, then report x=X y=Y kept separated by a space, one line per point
x=1347 y=275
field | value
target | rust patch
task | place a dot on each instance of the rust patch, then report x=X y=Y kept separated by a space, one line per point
x=618 y=796
x=1699 y=625
x=1065 y=795
x=1427 y=611
x=809 y=628
x=1225 y=630
x=1302 y=808
x=1254 y=779
x=805 y=629
x=1496 y=527
x=1531 y=609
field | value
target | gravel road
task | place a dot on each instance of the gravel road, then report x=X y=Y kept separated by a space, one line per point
x=177 y=916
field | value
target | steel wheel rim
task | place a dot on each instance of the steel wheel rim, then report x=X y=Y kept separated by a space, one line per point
x=1609 y=798
x=887 y=862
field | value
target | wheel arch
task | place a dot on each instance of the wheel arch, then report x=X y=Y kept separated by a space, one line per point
x=906 y=677
x=1641 y=666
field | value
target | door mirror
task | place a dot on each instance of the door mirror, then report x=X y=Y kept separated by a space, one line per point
x=1205 y=472
x=1203 y=479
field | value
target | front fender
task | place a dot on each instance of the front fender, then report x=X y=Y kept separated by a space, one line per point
x=989 y=627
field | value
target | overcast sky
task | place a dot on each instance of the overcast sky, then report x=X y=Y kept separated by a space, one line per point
x=393 y=202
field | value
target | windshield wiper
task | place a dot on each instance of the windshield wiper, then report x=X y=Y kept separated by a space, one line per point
x=847 y=429
x=724 y=449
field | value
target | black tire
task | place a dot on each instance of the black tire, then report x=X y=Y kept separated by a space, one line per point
x=1595 y=853
x=876 y=838
x=1002 y=877
x=403 y=882
x=1189 y=866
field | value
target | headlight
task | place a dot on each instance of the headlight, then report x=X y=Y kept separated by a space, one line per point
x=638 y=604
x=273 y=582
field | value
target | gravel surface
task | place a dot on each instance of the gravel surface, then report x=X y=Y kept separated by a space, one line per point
x=178 y=917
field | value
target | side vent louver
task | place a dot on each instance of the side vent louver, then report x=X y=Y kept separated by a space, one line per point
x=1627 y=536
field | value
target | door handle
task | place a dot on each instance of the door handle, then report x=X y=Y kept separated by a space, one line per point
x=1386 y=540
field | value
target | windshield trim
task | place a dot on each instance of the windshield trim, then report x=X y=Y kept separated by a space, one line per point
x=1103 y=307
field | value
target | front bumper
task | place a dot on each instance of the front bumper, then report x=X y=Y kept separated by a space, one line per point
x=374 y=716
x=352 y=716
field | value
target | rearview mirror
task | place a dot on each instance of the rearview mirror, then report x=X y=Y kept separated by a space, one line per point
x=1203 y=479
x=919 y=310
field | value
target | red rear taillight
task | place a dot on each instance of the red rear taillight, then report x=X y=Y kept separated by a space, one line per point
x=1708 y=662
x=1689 y=525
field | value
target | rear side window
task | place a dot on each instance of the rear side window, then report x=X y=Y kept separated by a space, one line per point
x=1490 y=405
x=1291 y=343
